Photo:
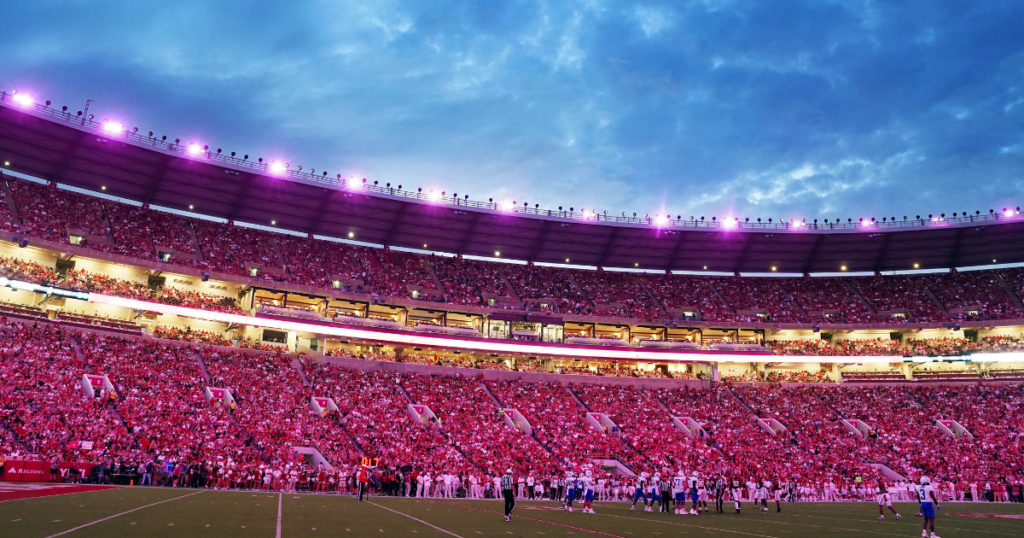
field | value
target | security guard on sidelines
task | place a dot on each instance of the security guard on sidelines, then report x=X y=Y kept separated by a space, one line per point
x=507 y=490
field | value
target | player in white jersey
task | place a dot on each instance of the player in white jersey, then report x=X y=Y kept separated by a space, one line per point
x=929 y=504
x=885 y=500
x=641 y=491
x=679 y=493
x=587 y=482
x=692 y=487
x=702 y=494
x=761 y=494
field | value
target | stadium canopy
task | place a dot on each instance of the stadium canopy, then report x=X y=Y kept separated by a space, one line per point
x=58 y=146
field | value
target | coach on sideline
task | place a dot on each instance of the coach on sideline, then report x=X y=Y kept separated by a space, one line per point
x=507 y=491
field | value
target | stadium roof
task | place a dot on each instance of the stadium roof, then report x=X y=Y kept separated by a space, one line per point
x=47 y=143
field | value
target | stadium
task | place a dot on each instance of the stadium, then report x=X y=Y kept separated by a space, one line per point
x=197 y=342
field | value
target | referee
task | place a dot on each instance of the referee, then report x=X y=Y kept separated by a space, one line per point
x=507 y=491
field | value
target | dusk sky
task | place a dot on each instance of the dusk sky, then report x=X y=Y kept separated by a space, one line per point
x=747 y=108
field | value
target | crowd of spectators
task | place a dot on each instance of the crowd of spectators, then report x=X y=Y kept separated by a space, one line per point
x=975 y=295
x=833 y=296
x=42 y=401
x=471 y=420
x=374 y=410
x=875 y=346
x=273 y=406
x=678 y=293
x=754 y=295
x=18 y=269
x=550 y=289
x=158 y=413
x=468 y=282
x=561 y=428
x=827 y=449
x=648 y=428
x=900 y=293
x=53 y=213
x=188 y=334
x=618 y=294
x=162 y=400
x=144 y=233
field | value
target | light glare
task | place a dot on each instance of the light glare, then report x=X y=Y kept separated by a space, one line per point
x=195 y=149
x=278 y=167
x=113 y=127
x=23 y=99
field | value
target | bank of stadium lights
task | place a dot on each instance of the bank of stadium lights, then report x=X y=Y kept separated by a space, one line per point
x=113 y=127
x=22 y=99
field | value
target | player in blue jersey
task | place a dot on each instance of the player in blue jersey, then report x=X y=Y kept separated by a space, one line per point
x=694 y=496
x=641 y=491
x=929 y=504
x=570 y=491
x=655 y=492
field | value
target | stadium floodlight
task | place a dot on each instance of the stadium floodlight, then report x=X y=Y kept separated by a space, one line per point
x=113 y=127
x=23 y=99
x=278 y=167
x=195 y=149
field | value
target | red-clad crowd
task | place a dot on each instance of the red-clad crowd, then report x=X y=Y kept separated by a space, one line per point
x=471 y=420
x=57 y=214
x=158 y=413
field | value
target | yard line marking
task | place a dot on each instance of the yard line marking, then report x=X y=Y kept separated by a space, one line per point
x=280 y=497
x=435 y=527
x=119 y=515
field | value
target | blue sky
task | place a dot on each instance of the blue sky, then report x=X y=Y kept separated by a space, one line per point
x=714 y=107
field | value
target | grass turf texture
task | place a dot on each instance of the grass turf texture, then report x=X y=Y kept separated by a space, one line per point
x=242 y=514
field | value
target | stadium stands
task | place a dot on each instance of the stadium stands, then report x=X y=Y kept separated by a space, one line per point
x=158 y=411
x=54 y=214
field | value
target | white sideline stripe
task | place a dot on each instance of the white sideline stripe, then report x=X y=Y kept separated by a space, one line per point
x=435 y=527
x=280 y=498
x=119 y=515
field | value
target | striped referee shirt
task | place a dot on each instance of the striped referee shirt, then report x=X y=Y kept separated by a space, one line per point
x=507 y=482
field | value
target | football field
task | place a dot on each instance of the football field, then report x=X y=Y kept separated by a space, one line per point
x=163 y=512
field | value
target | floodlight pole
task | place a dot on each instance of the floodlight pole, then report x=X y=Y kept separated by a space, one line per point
x=85 y=113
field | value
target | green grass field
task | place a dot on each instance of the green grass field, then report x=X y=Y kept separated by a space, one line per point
x=198 y=513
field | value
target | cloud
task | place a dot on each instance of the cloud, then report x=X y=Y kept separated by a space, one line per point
x=741 y=106
x=652 y=20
